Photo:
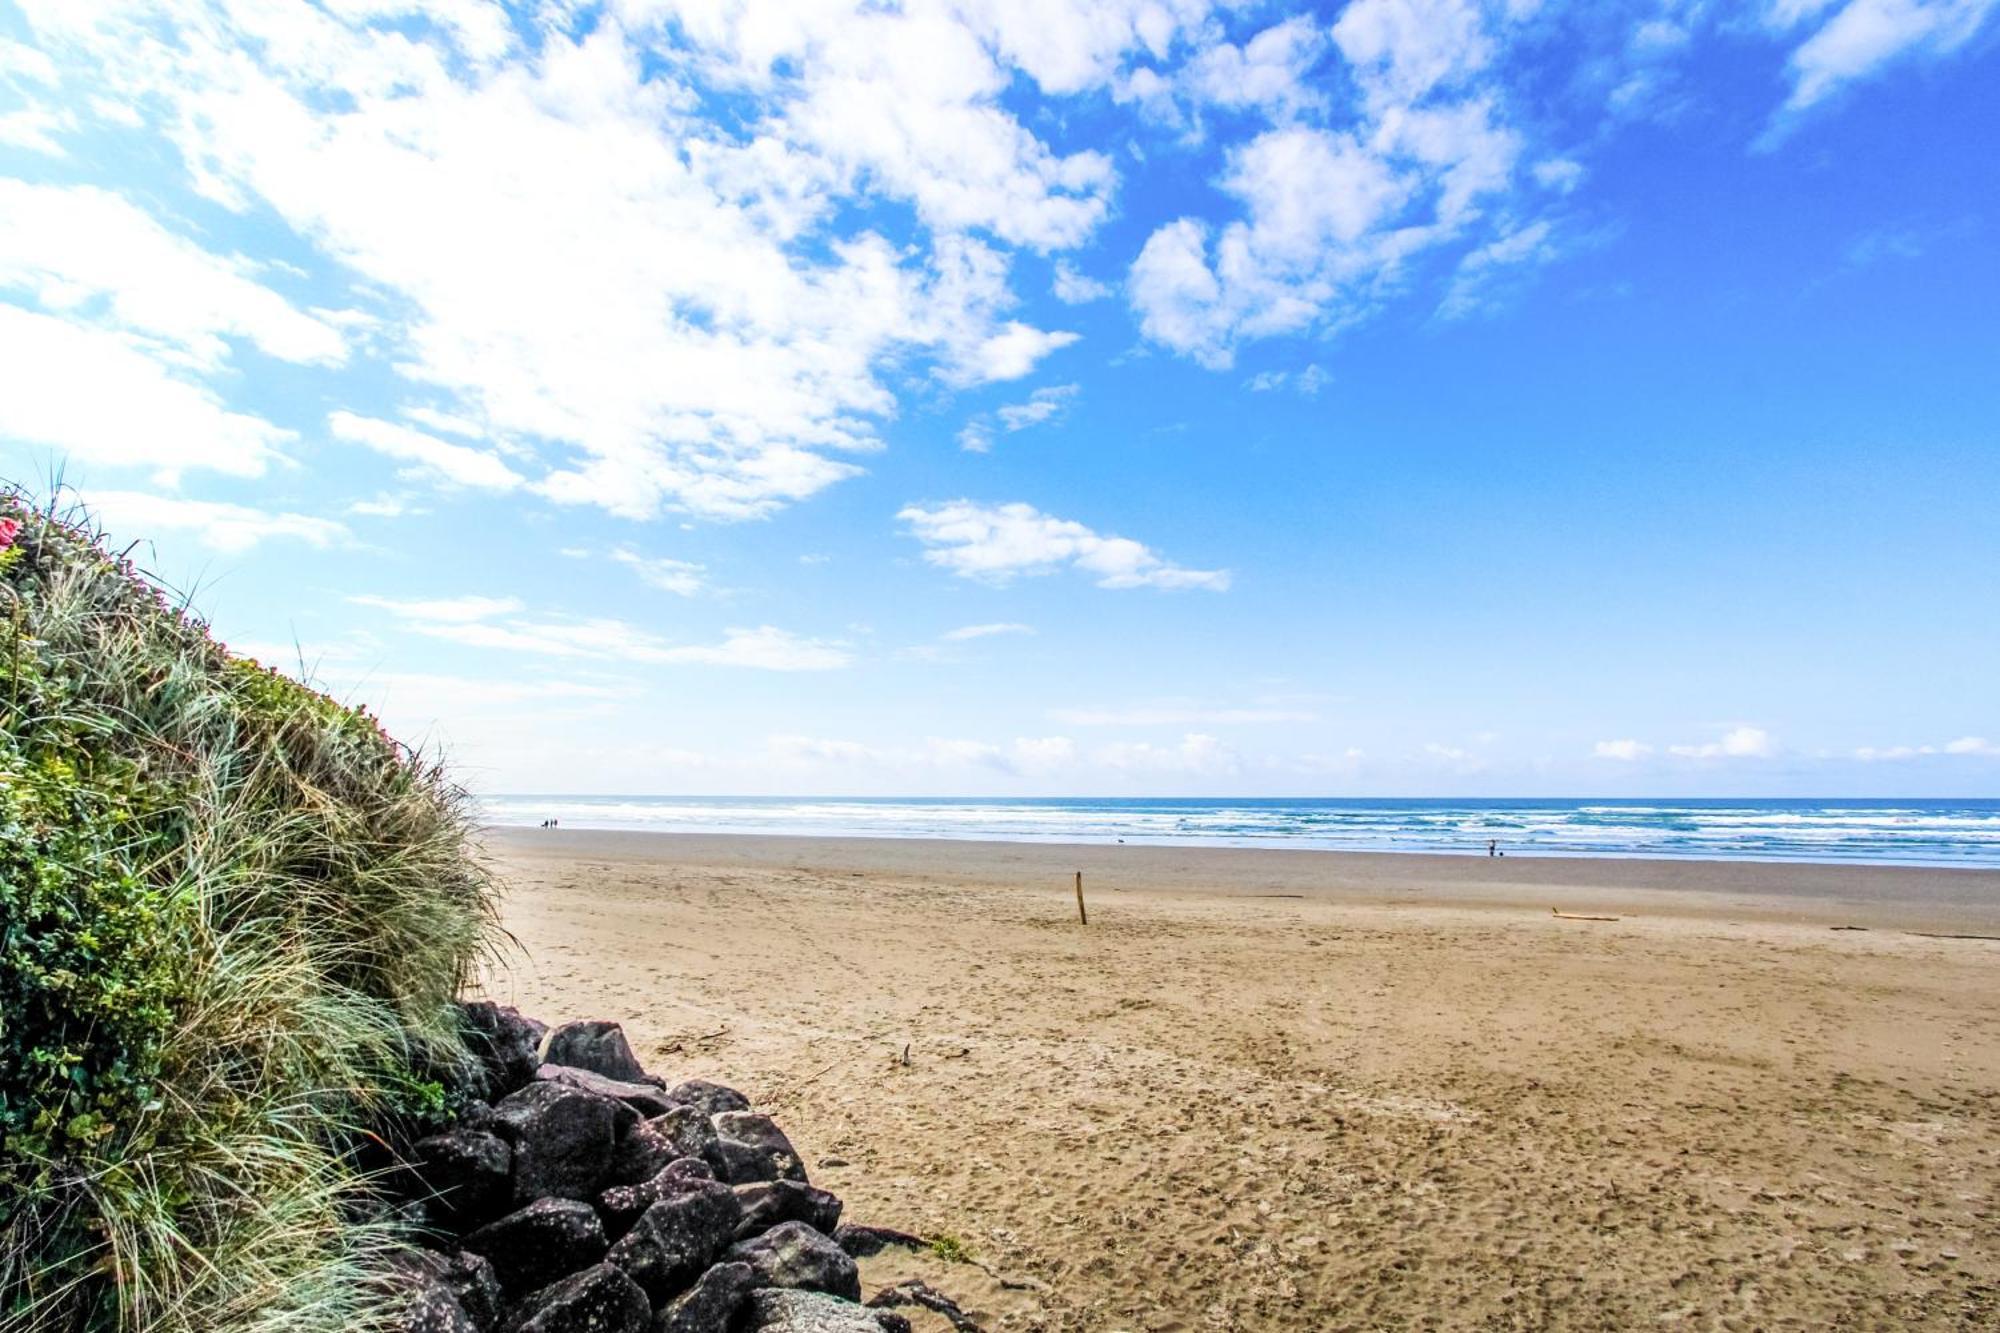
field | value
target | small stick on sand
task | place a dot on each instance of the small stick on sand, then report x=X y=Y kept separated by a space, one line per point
x=1081 y=915
x=1579 y=916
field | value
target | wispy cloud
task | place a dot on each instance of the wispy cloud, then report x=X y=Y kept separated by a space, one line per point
x=964 y=632
x=1177 y=716
x=229 y=528
x=997 y=543
x=1736 y=743
x=683 y=578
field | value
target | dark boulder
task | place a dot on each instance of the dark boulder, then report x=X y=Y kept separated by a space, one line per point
x=773 y=1311
x=792 y=1254
x=754 y=1148
x=710 y=1305
x=712 y=1098
x=537 y=1244
x=431 y=1308
x=507 y=1045
x=644 y=1098
x=463 y=1175
x=600 y=1299
x=597 y=1046
x=769 y=1202
x=472 y=1279
x=642 y=1154
x=691 y=1133
x=867 y=1242
x=621 y=1205
x=677 y=1237
x=562 y=1139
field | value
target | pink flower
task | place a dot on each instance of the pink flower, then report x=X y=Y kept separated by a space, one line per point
x=9 y=527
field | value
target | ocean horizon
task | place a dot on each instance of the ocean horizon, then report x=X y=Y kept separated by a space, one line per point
x=1885 y=831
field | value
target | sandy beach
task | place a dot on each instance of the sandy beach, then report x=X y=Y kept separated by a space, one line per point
x=1304 y=1090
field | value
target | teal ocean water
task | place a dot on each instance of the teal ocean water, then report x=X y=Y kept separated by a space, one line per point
x=1906 y=832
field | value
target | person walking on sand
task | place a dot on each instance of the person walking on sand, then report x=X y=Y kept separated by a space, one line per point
x=1493 y=846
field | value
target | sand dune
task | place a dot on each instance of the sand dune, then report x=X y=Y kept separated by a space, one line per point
x=1308 y=1090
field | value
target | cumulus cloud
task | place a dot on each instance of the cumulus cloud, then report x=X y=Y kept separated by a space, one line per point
x=701 y=329
x=1625 y=751
x=997 y=543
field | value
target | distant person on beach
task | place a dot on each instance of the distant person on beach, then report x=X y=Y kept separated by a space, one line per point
x=1493 y=846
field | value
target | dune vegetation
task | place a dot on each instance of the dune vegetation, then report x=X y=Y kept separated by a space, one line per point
x=233 y=915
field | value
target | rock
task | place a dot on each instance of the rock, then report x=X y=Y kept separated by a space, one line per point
x=506 y=1045
x=642 y=1154
x=867 y=1242
x=471 y=1280
x=644 y=1098
x=710 y=1305
x=691 y=1133
x=711 y=1098
x=463 y=1174
x=622 y=1204
x=917 y=1292
x=792 y=1254
x=600 y=1299
x=773 y=1311
x=433 y=1309
x=677 y=1237
x=754 y=1148
x=562 y=1138
x=539 y=1243
x=769 y=1202
x=597 y=1046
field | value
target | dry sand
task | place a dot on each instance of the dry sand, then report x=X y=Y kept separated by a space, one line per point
x=1307 y=1090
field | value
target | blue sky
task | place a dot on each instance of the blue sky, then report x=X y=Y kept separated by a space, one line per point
x=1085 y=396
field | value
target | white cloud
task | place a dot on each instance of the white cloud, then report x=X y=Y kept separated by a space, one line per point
x=997 y=543
x=964 y=632
x=229 y=528
x=1042 y=405
x=1978 y=745
x=1197 y=754
x=1625 y=751
x=681 y=577
x=490 y=622
x=1172 y=715
x=1269 y=72
x=95 y=396
x=428 y=456
x=451 y=610
x=1737 y=743
x=1865 y=36
x=1025 y=755
x=701 y=328
x=70 y=247
x=1332 y=217
x=1073 y=287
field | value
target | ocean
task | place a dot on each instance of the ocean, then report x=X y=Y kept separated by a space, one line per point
x=1891 y=832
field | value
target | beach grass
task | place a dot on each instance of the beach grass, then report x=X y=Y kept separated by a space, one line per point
x=233 y=914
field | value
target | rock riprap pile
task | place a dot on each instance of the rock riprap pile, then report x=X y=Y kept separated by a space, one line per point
x=579 y=1194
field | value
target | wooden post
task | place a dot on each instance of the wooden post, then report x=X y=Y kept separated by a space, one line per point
x=1081 y=915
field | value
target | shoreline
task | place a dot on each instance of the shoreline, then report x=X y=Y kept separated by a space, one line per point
x=1926 y=897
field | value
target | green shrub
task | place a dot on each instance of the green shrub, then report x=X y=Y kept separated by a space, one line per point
x=233 y=914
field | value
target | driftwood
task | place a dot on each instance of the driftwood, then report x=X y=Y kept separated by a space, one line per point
x=1579 y=916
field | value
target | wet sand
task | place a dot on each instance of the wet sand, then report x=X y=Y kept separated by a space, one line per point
x=1304 y=1090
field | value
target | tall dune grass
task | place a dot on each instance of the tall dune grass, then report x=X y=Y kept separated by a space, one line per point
x=233 y=914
